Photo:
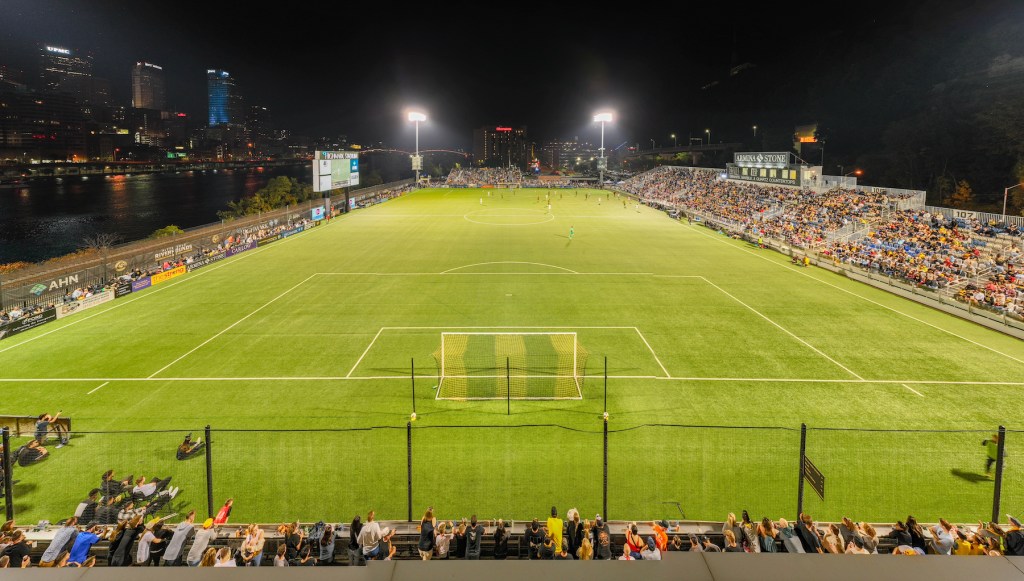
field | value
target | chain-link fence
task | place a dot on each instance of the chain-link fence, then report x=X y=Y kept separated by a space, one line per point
x=518 y=472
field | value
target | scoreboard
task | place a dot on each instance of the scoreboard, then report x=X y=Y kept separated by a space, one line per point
x=335 y=169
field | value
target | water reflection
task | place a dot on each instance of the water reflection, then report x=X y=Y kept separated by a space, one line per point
x=49 y=218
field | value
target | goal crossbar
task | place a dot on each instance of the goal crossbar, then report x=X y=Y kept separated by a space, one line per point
x=498 y=365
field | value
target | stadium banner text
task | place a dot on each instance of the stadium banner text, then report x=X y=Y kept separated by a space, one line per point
x=206 y=260
x=27 y=323
x=268 y=240
x=785 y=176
x=168 y=274
x=123 y=288
x=777 y=159
x=141 y=283
x=241 y=248
x=73 y=307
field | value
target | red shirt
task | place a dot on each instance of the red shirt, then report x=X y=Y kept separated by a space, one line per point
x=222 y=515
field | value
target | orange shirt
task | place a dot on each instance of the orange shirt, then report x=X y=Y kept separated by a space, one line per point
x=660 y=538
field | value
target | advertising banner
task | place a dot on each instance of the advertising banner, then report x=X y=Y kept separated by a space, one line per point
x=240 y=248
x=291 y=232
x=784 y=176
x=311 y=225
x=318 y=213
x=761 y=158
x=72 y=307
x=141 y=283
x=22 y=325
x=268 y=240
x=168 y=274
x=206 y=260
x=122 y=288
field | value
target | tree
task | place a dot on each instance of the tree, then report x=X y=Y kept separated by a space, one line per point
x=963 y=197
x=101 y=242
x=171 y=230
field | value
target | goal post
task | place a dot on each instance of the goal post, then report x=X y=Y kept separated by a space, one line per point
x=500 y=365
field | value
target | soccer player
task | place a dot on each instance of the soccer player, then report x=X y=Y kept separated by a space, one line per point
x=481 y=201
x=572 y=232
x=549 y=207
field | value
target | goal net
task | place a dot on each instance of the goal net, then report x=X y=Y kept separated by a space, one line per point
x=510 y=365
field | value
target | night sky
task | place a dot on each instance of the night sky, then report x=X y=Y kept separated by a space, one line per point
x=351 y=68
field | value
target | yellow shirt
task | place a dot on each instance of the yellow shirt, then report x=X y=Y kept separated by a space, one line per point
x=555 y=531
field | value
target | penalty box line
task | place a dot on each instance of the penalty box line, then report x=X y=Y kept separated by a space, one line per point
x=496 y=327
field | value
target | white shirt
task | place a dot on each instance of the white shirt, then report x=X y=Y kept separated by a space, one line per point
x=146 y=489
x=144 y=544
x=228 y=563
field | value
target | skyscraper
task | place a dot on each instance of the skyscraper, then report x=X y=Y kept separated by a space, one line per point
x=62 y=71
x=148 y=90
x=221 y=97
x=501 y=146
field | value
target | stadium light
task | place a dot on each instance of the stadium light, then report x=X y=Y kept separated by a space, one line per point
x=417 y=163
x=858 y=172
x=708 y=131
x=602 y=118
x=675 y=142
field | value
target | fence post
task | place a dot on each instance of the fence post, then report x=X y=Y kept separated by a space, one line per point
x=999 y=474
x=412 y=377
x=408 y=443
x=209 y=475
x=508 y=387
x=8 y=480
x=604 y=503
x=800 y=487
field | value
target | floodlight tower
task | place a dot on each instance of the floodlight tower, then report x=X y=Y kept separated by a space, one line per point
x=417 y=161
x=602 y=163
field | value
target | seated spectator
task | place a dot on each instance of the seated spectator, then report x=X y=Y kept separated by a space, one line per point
x=564 y=554
x=86 y=511
x=281 y=561
x=19 y=548
x=856 y=547
x=650 y=552
x=147 y=489
x=387 y=548
x=31 y=453
x=188 y=448
x=730 y=542
x=586 y=550
x=225 y=558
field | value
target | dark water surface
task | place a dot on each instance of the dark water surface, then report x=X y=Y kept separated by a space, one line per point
x=49 y=218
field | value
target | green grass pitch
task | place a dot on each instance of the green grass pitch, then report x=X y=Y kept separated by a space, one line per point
x=317 y=331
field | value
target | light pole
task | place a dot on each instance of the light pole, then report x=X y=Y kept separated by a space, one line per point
x=1006 y=194
x=602 y=118
x=675 y=143
x=755 y=130
x=708 y=131
x=653 y=147
x=417 y=162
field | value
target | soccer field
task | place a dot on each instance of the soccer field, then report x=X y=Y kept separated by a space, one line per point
x=717 y=352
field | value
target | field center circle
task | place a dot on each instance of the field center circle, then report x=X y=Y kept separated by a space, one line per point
x=508 y=217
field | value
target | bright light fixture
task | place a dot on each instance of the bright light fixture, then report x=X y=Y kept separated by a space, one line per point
x=417 y=116
x=603 y=118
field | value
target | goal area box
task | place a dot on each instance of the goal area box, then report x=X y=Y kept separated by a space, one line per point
x=480 y=366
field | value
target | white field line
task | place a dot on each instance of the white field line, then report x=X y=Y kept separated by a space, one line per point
x=510 y=262
x=862 y=297
x=95 y=389
x=488 y=274
x=232 y=326
x=365 y=351
x=153 y=291
x=293 y=378
x=783 y=329
x=501 y=327
x=907 y=382
x=912 y=389
x=644 y=339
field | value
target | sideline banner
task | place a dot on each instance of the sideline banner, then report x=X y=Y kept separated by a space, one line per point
x=122 y=288
x=291 y=232
x=22 y=325
x=205 y=261
x=240 y=248
x=268 y=240
x=141 y=283
x=87 y=303
x=168 y=274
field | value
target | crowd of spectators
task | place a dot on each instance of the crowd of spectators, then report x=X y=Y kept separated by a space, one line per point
x=484 y=176
x=138 y=541
x=924 y=249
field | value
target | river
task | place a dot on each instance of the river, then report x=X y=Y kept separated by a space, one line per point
x=50 y=217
